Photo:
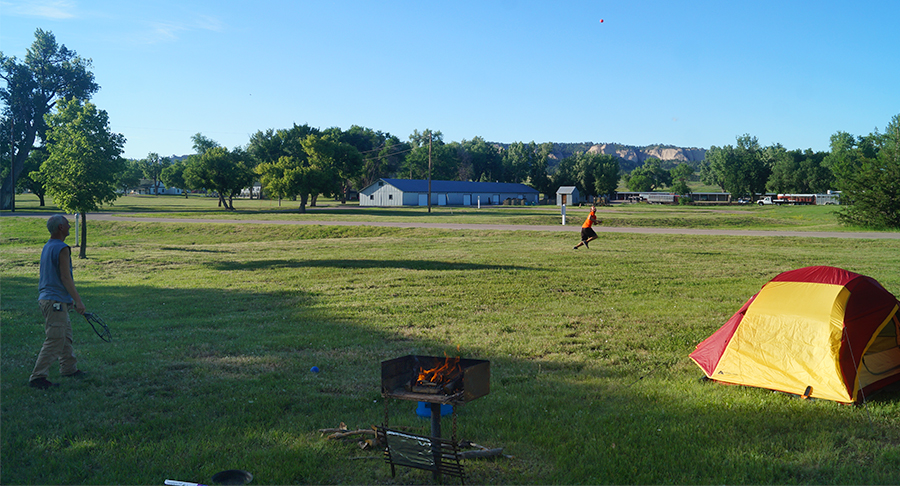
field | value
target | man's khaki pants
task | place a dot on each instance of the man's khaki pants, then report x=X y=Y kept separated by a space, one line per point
x=58 y=345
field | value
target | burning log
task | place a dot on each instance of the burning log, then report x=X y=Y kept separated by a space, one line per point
x=435 y=380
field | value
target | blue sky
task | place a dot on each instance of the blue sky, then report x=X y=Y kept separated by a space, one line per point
x=686 y=73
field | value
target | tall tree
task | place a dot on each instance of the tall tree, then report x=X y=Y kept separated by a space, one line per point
x=428 y=146
x=593 y=174
x=607 y=174
x=173 y=176
x=290 y=178
x=50 y=73
x=484 y=158
x=741 y=170
x=33 y=164
x=270 y=146
x=517 y=160
x=381 y=153
x=679 y=176
x=713 y=169
x=129 y=177
x=221 y=171
x=336 y=163
x=152 y=168
x=754 y=169
x=202 y=143
x=847 y=155
x=649 y=176
x=85 y=158
x=537 y=173
x=873 y=191
x=797 y=171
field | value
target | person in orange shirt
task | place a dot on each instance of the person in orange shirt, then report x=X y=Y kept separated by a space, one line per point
x=587 y=233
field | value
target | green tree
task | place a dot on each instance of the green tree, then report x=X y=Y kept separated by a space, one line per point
x=484 y=158
x=591 y=173
x=337 y=161
x=49 y=74
x=429 y=146
x=289 y=178
x=873 y=191
x=381 y=154
x=85 y=158
x=649 y=176
x=129 y=177
x=565 y=172
x=537 y=173
x=220 y=171
x=152 y=168
x=713 y=167
x=797 y=171
x=847 y=156
x=741 y=170
x=202 y=143
x=680 y=175
x=754 y=170
x=270 y=146
x=517 y=160
x=607 y=174
x=173 y=176
x=33 y=164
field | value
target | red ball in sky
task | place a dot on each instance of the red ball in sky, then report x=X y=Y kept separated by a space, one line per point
x=601 y=21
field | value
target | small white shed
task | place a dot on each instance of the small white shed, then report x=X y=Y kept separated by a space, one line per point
x=567 y=195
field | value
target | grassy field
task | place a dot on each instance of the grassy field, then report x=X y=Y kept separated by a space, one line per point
x=794 y=218
x=216 y=328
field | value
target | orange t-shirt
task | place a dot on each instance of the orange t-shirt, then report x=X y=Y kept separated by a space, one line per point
x=592 y=218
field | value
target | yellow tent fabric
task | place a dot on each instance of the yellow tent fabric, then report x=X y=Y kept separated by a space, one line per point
x=787 y=344
x=820 y=329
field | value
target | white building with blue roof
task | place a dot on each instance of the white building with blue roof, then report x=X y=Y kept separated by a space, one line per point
x=414 y=192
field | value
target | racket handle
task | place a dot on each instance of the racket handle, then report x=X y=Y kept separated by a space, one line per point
x=173 y=482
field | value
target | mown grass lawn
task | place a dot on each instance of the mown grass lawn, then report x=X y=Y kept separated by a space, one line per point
x=794 y=218
x=216 y=327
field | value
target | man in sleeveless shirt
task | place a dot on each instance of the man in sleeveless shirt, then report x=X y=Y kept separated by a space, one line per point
x=57 y=296
x=587 y=233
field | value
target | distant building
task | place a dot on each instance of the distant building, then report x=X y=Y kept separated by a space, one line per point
x=414 y=192
x=146 y=187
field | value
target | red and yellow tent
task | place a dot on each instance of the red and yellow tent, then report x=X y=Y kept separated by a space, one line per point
x=818 y=331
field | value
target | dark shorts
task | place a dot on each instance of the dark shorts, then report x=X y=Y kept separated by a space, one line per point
x=588 y=233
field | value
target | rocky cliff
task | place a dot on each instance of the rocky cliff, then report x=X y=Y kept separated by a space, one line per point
x=640 y=154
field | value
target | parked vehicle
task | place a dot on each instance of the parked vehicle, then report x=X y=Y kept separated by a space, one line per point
x=800 y=199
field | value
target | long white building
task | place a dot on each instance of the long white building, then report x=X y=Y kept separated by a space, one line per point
x=414 y=192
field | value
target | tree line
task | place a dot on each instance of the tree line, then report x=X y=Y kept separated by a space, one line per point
x=61 y=145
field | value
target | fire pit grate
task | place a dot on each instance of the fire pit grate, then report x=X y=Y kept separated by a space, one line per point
x=440 y=456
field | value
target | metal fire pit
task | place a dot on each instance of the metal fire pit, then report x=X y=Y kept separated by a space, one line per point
x=469 y=379
x=398 y=380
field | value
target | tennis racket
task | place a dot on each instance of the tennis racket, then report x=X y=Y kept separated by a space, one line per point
x=98 y=325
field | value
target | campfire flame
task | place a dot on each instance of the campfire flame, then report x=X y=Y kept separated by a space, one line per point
x=442 y=373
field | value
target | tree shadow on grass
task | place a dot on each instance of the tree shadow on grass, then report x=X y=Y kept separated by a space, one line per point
x=205 y=379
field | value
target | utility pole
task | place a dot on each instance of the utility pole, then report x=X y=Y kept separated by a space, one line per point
x=429 y=171
x=12 y=165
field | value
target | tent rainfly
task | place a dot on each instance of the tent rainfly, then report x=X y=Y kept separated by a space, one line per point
x=819 y=332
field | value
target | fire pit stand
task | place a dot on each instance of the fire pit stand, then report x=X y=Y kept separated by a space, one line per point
x=464 y=380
